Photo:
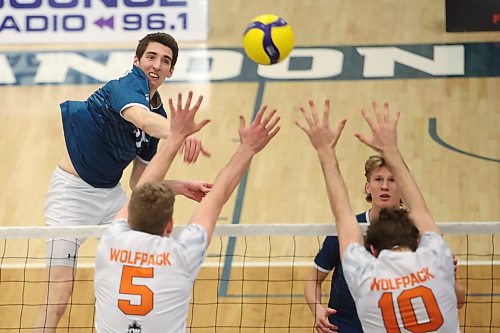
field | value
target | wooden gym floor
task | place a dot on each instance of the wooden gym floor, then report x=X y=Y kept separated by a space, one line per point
x=284 y=184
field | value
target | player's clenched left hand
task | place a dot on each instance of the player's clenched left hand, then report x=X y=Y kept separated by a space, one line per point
x=194 y=190
x=192 y=148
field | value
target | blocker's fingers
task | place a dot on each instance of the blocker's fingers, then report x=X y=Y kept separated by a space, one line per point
x=179 y=101
x=386 y=112
x=398 y=114
x=326 y=111
x=171 y=105
x=314 y=114
x=188 y=101
x=198 y=103
x=273 y=124
x=378 y=114
x=242 y=121
x=268 y=117
x=260 y=114
x=307 y=117
x=368 y=119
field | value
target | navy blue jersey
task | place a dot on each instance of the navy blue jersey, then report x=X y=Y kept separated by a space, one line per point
x=100 y=142
x=327 y=259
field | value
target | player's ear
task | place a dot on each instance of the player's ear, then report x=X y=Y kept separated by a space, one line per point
x=170 y=72
x=373 y=251
x=136 y=61
x=169 y=227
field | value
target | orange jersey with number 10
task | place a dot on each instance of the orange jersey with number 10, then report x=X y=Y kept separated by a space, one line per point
x=404 y=291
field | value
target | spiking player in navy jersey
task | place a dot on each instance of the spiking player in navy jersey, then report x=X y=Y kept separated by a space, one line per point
x=97 y=134
x=120 y=123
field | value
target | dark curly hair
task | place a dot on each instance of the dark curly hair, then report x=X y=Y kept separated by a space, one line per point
x=159 y=37
x=392 y=228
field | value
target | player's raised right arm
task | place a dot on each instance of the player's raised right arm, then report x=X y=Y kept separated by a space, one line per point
x=384 y=140
x=155 y=124
x=158 y=126
x=183 y=125
x=252 y=140
x=150 y=122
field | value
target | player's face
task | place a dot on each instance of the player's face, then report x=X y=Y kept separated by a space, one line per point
x=383 y=188
x=156 y=63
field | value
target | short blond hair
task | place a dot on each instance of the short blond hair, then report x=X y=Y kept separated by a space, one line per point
x=150 y=208
x=373 y=162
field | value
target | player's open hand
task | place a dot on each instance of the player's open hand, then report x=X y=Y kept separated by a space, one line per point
x=182 y=121
x=322 y=323
x=318 y=130
x=261 y=131
x=383 y=127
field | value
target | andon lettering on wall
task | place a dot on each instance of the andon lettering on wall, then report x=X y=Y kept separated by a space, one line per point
x=377 y=62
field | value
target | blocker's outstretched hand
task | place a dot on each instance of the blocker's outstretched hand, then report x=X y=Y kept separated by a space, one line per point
x=261 y=130
x=182 y=123
x=383 y=128
x=318 y=130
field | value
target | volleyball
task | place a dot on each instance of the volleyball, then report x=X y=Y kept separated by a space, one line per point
x=268 y=39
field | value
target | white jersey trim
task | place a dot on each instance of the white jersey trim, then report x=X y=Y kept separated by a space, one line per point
x=143 y=161
x=367 y=216
x=133 y=104
x=321 y=269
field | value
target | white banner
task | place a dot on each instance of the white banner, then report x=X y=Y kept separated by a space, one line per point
x=100 y=21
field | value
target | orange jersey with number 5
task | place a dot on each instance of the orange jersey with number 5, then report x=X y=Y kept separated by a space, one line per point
x=143 y=282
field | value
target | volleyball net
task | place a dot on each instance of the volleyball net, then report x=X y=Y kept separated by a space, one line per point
x=252 y=279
